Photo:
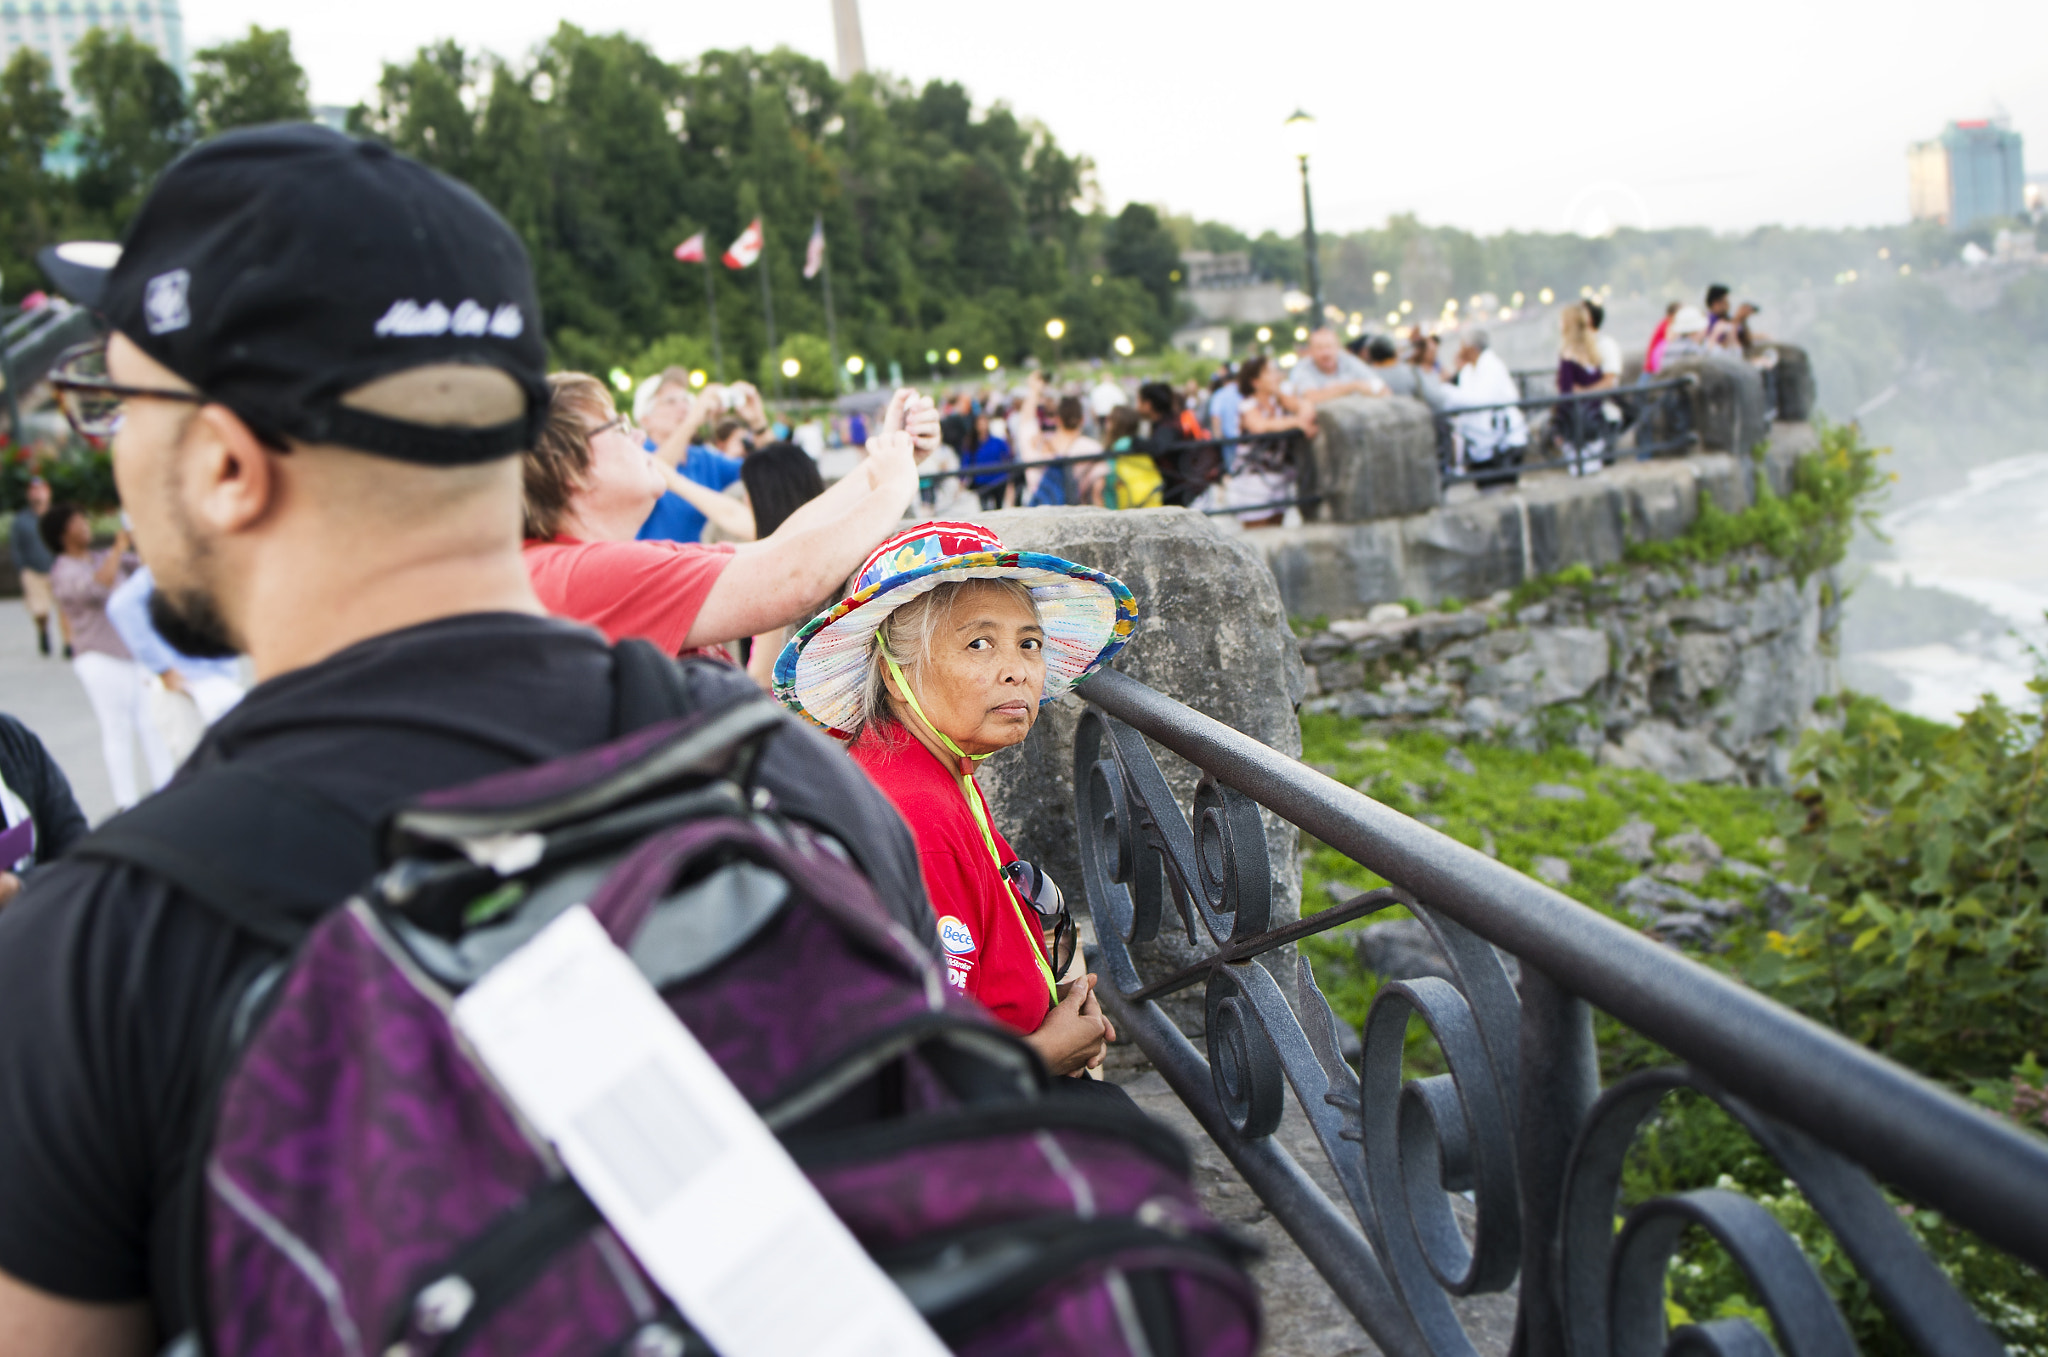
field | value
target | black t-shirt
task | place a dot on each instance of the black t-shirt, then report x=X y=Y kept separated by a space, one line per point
x=109 y=980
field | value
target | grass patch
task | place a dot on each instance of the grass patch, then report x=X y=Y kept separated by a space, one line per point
x=1496 y=807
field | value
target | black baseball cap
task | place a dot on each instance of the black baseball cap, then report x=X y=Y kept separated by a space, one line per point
x=279 y=268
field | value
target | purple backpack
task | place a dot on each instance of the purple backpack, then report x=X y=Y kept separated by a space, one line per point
x=365 y=1193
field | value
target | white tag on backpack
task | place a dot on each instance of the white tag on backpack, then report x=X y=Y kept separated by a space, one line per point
x=675 y=1159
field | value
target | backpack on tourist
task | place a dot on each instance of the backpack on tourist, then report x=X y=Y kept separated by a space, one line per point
x=363 y=1187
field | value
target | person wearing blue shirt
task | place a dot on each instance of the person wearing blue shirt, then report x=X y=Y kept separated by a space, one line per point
x=698 y=474
x=1224 y=407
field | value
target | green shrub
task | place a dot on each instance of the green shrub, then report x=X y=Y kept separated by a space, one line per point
x=1689 y=1143
x=1835 y=489
x=1925 y=850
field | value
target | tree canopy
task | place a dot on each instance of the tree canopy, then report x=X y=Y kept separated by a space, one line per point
x=948 y=228
x=248 y=81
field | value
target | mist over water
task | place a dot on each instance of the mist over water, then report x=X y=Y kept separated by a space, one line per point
x=1949 y=610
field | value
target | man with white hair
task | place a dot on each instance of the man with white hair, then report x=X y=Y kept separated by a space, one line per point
x=1330 y=372
x=1493 y=433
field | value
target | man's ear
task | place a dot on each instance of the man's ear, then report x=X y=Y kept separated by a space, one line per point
x=230 y=483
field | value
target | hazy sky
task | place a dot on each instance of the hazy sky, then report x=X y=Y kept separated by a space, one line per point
x=1483 y=114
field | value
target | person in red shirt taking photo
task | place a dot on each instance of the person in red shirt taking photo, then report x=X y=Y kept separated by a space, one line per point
x=941 y=656
x=588 y=486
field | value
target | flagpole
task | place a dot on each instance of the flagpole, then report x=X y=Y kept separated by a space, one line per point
x=711 y=305
x=831 y=324
x=768 y=310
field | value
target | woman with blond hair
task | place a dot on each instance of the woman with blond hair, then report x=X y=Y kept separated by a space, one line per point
x=1579 y=426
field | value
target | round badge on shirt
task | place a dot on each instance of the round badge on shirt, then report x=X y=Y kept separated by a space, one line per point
x=955 y=936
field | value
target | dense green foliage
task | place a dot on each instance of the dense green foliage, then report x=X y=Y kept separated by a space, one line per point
x=1925 y=851
x=947 y=228
x=1835 y=490
x=66 y=178
x=247 y=82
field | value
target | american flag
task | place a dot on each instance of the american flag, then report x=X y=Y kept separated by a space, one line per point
x=814 y=256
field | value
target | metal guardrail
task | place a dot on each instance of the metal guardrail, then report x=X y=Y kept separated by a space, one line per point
x=1638 y=401
x=1014 y=470
x=1520 y=1123
x=978 y=470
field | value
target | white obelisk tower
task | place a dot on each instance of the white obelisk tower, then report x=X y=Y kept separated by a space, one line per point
x=853 y=55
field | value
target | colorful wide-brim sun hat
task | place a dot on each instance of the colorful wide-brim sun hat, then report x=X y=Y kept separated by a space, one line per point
x=1087 y=616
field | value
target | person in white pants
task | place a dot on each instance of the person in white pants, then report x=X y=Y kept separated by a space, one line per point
x=81 y=580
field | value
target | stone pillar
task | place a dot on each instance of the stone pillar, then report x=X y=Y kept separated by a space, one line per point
x=1727 y=402
x=1376 y=458
x=1795 y=383
x=1212 y=633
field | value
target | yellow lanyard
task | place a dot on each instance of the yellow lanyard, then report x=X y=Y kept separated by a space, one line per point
x=975 y=807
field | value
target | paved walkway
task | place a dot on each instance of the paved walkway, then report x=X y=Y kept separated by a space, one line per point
x=45 y=696
x=1304 y=1318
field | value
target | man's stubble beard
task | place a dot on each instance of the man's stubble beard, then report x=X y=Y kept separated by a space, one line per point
x=187 y=615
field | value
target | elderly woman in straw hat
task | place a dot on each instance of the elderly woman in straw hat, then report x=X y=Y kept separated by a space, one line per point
x=941 y=656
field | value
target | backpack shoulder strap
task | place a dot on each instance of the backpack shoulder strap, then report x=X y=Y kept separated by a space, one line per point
x=266 y=855
x=647 y=687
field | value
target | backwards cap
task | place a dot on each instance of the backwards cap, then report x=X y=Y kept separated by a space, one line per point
x=278 y=268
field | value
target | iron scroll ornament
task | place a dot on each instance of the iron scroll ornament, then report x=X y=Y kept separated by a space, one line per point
x=1404 y=1150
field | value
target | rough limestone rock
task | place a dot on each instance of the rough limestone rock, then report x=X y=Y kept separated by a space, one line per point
x=1728 y=406
x=1795 y=383
x=1211 y=633
x=1703 y=663
x=1376 y=458
x=1678 y=755
x=1558 y=664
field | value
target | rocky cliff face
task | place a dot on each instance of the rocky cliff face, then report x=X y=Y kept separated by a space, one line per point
x=1704 y=675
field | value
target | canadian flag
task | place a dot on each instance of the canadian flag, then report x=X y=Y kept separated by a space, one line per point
x=814 y=254
x=691 y=251
x=747 y=248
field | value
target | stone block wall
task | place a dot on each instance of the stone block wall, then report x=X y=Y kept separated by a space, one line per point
x=1705 y=674
x=1478 y=544
x=1376 y=458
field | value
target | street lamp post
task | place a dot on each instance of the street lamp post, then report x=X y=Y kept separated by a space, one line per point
x=1300 y=129
x=1055 y=328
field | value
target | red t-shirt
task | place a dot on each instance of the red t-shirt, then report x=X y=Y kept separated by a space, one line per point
x=991 y=941
x=653 y=590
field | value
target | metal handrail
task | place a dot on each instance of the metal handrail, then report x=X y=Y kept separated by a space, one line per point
x=1495 y=470
x=992 y=468
x=1605 y=393
x=1520 y=1120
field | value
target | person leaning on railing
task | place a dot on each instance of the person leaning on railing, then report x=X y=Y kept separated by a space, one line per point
x=1492 y=441
x=942 y=654
x=1187 y=472
x=1263 y=472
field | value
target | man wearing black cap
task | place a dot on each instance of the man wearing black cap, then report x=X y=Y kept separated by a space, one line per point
x=323 y=358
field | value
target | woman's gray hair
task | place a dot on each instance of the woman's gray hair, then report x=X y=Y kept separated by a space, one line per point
x=907 y=634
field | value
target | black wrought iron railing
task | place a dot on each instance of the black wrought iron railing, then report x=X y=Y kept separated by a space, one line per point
x=1519 y=1124
x=1580 y=432
x=996 y=475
